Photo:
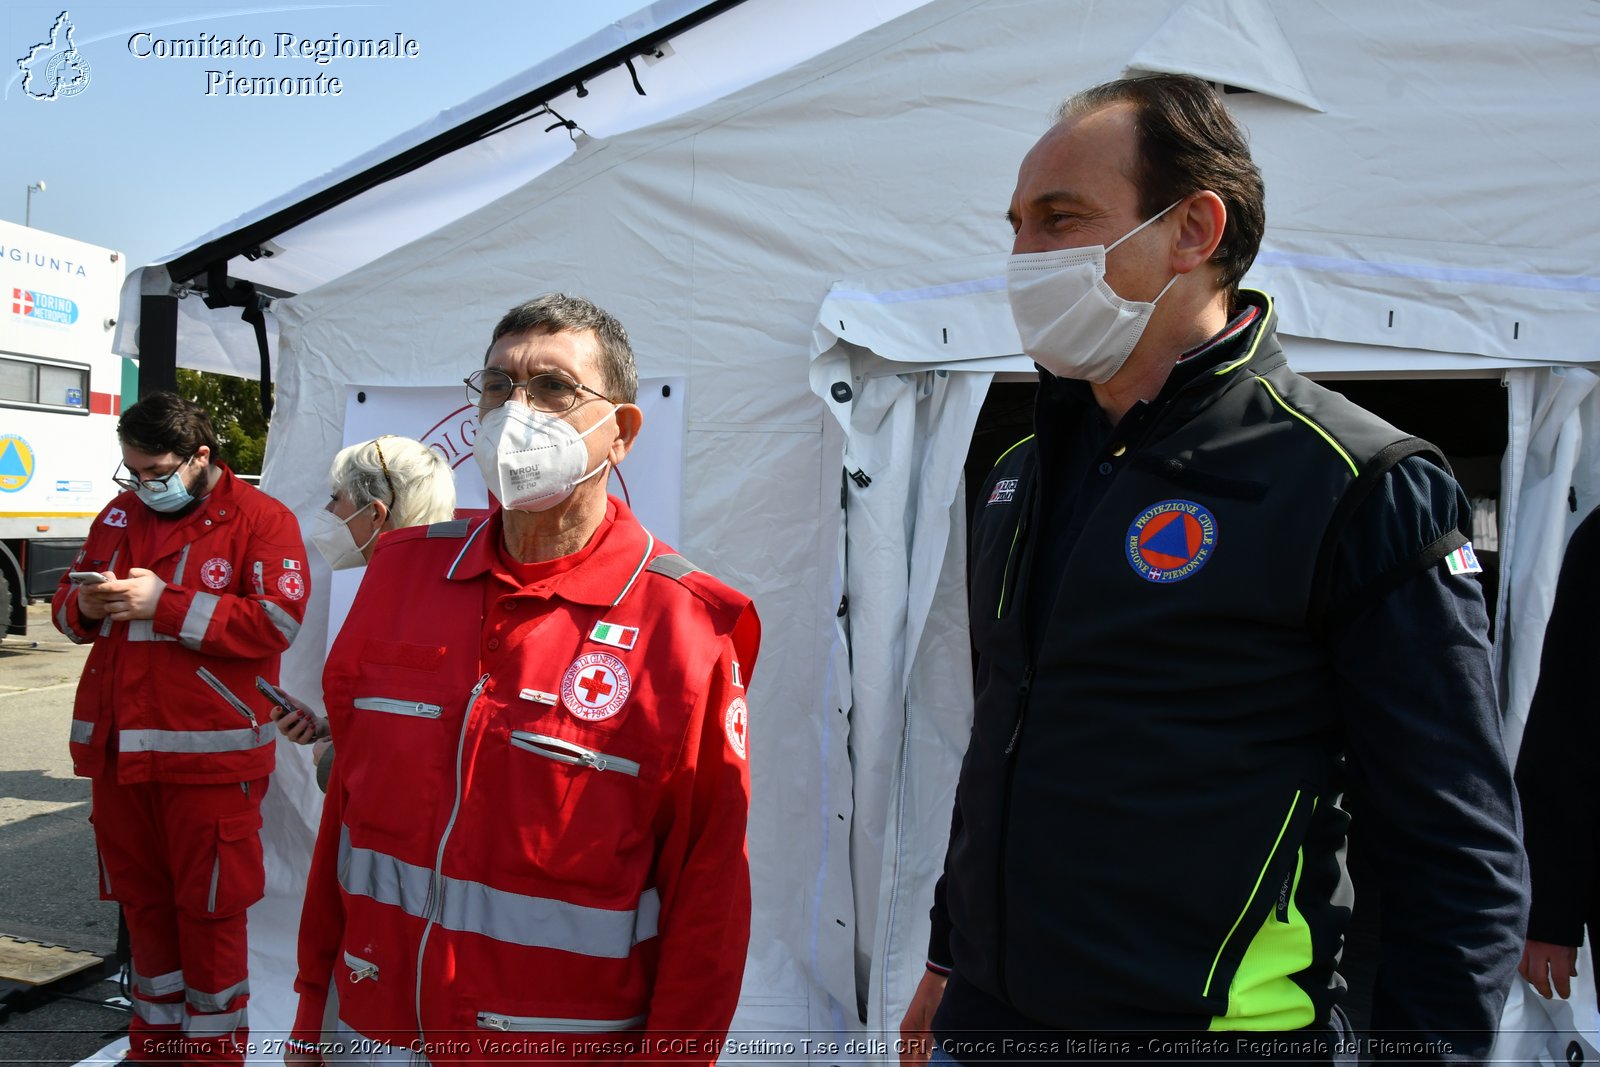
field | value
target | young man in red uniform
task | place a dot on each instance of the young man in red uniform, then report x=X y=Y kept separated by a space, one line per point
x=200 y=570
x=533 y=844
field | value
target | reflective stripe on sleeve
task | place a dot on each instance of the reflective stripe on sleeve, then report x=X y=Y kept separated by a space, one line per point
x=193 y=740
x=66 y=627
x=515 y=918
x=211 y=1003
x=144 y=630
x=197 y=620
x=282 y=620
x=183 y=561
x=82 y=731
x=161 y=985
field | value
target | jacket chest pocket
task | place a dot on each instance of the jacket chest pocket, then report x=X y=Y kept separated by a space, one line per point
x=396 y=749
x=585 y=810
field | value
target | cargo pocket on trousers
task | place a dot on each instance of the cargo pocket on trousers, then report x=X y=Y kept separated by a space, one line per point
x=238 y=877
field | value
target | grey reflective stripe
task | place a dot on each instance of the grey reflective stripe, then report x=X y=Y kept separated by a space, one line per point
x=672 y=565
x=144 y=630
x=453 y=528
x=216 y=876
x=161 y=985
x=491 y=1021
x=66 y=627
x=648 y=918
x=517 y=919
x=82 y=731
x=649 y=546
x=351 y=1046
x=201 y=1001
x=396 y=706
x=450 y=572
x=197 y=619
x=216 y=1025
x=183 y=559
x=159 y=1014
x=282 y=620
x=564 y=751
x=193 y=740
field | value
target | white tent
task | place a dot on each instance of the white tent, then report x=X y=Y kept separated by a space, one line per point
x=816 y=257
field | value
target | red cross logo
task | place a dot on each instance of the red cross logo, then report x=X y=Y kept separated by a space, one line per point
x=595 y=686
x=736 y=723
x=21 y=302
x=216 y=572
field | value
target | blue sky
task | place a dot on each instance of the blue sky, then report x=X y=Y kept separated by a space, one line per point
x=143 y=159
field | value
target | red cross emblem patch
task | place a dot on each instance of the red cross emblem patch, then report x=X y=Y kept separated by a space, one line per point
x=736 y=723
x=117 y=517
x=216 y=572
x=291 y=585
x=595 y=686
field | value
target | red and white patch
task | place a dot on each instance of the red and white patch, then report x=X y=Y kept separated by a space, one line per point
x=736 y=722
x=595 y=686
x=216 y=572
x=116 y=517
x=291 y=585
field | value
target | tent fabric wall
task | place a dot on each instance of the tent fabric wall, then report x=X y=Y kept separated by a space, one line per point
x=905 y=704
x=1550 y=482
x=715 y=237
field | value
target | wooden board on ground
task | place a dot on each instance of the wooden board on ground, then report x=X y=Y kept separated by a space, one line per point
x=35 y=963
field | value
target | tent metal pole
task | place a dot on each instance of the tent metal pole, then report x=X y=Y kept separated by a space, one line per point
x=158 y=344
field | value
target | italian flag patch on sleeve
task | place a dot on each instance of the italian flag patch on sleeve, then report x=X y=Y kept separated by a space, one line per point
x=1463 y=561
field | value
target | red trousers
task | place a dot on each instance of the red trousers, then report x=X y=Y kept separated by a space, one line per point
x=184 y=861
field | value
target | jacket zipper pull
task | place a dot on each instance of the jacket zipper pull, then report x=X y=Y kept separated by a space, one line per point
x=1022 y=707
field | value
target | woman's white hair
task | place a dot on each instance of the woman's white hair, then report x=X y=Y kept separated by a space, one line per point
x=412 y=480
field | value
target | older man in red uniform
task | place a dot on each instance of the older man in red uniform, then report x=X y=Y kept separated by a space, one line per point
x=189 y=568
x=533 y=845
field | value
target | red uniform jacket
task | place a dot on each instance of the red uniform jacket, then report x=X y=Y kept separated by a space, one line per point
x=533 y=842
x=236 y=592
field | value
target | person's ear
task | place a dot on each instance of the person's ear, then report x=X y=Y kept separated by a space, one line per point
x=1202 y=218
x=629 y=421
x=380 y=515
x=203 y=456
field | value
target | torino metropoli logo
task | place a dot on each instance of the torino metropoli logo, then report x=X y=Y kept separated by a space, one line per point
x=282 y=47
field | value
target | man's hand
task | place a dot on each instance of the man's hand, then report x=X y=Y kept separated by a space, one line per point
x=92 y=599
x=133 y=597
x=1544 y=965
x=916 y=1037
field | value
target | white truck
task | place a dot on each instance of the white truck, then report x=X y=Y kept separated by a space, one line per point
x=61 y=390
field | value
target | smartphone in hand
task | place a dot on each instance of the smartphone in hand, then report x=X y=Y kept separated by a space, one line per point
x=86 y=577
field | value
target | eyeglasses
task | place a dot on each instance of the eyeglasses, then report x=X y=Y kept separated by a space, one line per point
x=154 y=485
x=552 y=393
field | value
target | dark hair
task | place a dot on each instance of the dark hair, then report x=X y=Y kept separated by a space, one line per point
x=558 y=313
x=1187 y=143
x=165 y=422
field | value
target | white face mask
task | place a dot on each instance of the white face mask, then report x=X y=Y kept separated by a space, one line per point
x=1070 y=321
x=332 y=537
x=530 y=460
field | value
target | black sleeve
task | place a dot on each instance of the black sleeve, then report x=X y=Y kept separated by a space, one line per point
x=939 y=959
x=1435 y=809
x=1559 y=745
